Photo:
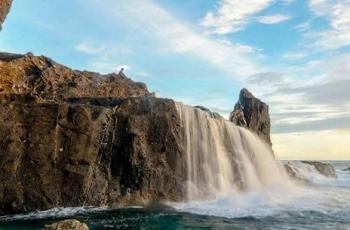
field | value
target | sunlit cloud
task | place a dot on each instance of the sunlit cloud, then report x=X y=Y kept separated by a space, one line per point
x=273 y=19
x=89 y=48
x=177 y=37
x=233 y=15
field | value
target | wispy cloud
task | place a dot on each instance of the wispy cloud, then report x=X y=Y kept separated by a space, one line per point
x=302 y=27
x=233 y=15
x=317 y=99
x=108 y=66
x=294 y=55
x=89 y=48
x=175 y=36
x=338 y=15
x=273 y=19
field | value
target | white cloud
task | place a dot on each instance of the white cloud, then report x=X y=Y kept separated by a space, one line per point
x=273 y=19
x=105 y=67
x=89 y=48
x=338 y=15
x=172 y=35
x=233 y=15
x=287 y=2
x=294 y=55
x=302 y=27
x=312 y=96
x=320 y=7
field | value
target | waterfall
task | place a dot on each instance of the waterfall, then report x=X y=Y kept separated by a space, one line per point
x=223 y=159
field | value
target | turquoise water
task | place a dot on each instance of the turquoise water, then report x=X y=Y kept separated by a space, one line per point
x=325 y=205
x=168 y=219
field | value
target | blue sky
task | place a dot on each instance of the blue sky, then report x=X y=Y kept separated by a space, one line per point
x=293 y=54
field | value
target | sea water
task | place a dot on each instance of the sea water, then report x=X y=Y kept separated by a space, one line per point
x=324 y=205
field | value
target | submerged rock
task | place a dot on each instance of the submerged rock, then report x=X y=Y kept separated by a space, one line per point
x=69 y=224
x=294 y=174
x=325 y=169
x=308 y=171
x=5 y=6
x=253 y=114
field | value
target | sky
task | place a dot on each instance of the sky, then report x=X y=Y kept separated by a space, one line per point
x=292 y=54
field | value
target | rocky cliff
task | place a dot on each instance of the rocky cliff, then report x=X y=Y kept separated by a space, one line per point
x=44 y=80
x=252 y=113
x=72 y=138
x=4 y=9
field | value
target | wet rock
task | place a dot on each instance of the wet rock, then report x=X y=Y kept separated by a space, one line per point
x=294 y=175
x=62 y=154
x=253 y=114
x=346 y=169
x=325 y=169
x=69 y=224
x=212 y=114
x=73 y=138
x=5 y=6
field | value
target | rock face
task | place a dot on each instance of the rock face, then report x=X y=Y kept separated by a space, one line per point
x=45 y=79
x=253 y=114
x=323 y=168
x=83 y=148
x=4 y=9
x=69 y=224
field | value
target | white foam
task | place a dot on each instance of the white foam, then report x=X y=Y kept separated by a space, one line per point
x=55 y=213
x=323 y=200
x=309 y=173
x=232 y=173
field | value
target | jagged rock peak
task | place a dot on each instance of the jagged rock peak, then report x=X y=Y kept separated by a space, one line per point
x=4 y=10
x=252 y=113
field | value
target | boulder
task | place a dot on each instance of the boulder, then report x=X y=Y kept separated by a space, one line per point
x=69 y=224
x=252 y=113
x=294 y=174
x=307 y=171
x=5 y=6
x=325 y=169
x=346 y=169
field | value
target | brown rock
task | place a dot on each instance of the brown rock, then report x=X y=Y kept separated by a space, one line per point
x=252 y=113
x=46 y=80
x=64 y=154
x=69 y=224
x=5 y=6
x=325 y=169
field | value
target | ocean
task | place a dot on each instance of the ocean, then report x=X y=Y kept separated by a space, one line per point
x=324 y=204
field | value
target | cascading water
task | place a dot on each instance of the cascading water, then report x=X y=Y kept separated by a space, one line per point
x=232 y=173
x=224 y=160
